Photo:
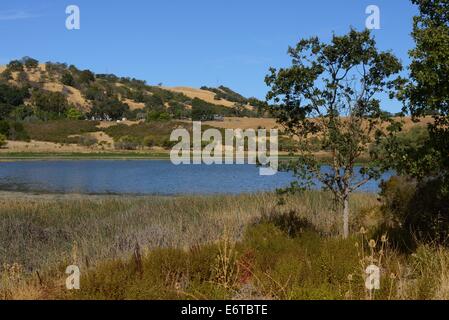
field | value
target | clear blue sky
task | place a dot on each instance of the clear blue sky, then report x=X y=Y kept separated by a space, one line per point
x=191 y=43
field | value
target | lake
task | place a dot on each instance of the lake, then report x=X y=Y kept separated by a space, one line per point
x=144 y=177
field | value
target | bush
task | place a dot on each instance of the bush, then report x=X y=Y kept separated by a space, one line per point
x=290 y=223
x=157 y=116
x=67 y=79
x=17 y=132
x=149 y=141
x=74 y=114
x=4 y=127
x=127 y=143
x=419 y=210
x=3 y=141
x=14 y=131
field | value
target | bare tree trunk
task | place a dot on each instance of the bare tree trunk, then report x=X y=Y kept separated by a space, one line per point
x=346 y=217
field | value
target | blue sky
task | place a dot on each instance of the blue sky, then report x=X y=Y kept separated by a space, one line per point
x=191 y=43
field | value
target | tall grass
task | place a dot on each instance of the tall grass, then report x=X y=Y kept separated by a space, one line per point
x=38 y=231
x=211 y=247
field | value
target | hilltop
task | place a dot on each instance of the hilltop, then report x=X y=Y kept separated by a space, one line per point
x=107 y=96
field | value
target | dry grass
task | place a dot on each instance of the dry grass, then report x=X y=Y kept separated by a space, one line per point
x=215 y=247
x=204 y=95
x=38 y=231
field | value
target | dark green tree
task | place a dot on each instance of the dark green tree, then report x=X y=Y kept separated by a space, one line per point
x=332 y=91
x=53 y=103
x=67 y=79
x=15 y=66
x=110 y=108
x=30 y=63
x=86 y=77
x=427 y=93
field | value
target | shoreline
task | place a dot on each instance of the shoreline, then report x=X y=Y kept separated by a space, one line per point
x=117 y=156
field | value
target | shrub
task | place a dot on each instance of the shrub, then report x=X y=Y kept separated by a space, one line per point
x=157 y=116
x=420 y=210
x=127 y=143
x=74 y=114
x=67 y=79
x=17 y=132
x=289 y=222
x=4 y=127
x=3 y=141
x=14 y=131
x=149 y=141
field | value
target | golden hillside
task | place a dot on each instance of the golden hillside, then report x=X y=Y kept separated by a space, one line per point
x=51 y=81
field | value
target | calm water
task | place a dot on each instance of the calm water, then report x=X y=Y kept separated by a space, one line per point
x=140 y=177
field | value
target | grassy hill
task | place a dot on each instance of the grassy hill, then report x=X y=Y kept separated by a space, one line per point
x=50 y=102
x=88 y=93
x=44 y=108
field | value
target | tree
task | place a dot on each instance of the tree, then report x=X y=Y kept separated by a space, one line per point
x=12 y=95
x=15 y=66
x=10 y=98
x=427 y=93
x=30 y=63
x=6 y=75
x=67 y=79
x=331 y=91
x=111 y=108
x=50 y=102
x=86 y=77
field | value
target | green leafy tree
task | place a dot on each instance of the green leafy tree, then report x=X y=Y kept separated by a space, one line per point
x=428 y=93
x=112 y=108
x=331 y=91
x=158 y=116
x=50 y=102
x=10 y=98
